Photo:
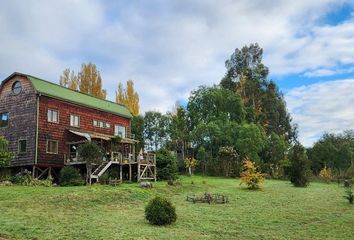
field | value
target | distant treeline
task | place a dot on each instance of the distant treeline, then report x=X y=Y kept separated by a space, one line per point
x=242 y=117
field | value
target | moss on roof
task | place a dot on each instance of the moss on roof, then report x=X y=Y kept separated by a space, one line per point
x=53 y=90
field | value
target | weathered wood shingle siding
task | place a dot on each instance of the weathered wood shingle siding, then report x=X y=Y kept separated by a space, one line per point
x=22 y=119
x=60 y=131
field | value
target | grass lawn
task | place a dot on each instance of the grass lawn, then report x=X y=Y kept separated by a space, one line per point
x=278 y=211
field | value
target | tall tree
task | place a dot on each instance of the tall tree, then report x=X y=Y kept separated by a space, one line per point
x=69 y=79
x=215 y=114
x=335 y=151
x=246 y=69
x=91 y=81
x=155 y=130
x=87 y=81
x=138 y=130
x=250 y=141
x=264 y=104
x=207 y=104
x=179 y=130
x=128 y=97
x=275 y=117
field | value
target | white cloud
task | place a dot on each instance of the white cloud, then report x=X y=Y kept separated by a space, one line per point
x=328 y=72
x=322 y=107
x=170 y=47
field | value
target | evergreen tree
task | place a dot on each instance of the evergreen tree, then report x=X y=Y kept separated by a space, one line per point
x=299 y=166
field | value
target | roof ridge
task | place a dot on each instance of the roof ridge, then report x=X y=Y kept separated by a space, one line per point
x=52 y=89
x=77 y=91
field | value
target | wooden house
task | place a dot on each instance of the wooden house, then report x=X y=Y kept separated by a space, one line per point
x=45 y=123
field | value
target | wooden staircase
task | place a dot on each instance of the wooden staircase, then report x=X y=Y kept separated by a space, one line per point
x=101 y=169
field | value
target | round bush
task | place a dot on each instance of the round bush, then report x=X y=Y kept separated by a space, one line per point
x=160 y=211
x=69 y=176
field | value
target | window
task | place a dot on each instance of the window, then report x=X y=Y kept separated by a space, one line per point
x=4 y=119
x=22 y=146
x=101 y=124
x=74 y=120
x=52 y=146
x=119 y=131
x=53 y=116
x=16 y=87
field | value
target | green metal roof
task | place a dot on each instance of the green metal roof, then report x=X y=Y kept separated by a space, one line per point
x=53 y=90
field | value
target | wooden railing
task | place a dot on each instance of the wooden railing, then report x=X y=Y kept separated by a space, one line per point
x=148 y=158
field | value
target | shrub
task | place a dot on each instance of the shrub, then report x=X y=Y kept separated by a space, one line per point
x=5 y=174
x=299 y=166
x=250 y=176
x=27 y=180
x=349 y=195
x=5 y=155
x=21 y=177
x=166 y=164
x=160 y=211
x=69 y=176
x=350 y=172
x=326 y=174
x=190 y=164
x=90 y=153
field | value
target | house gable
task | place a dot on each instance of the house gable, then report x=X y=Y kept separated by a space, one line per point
x=20 y=105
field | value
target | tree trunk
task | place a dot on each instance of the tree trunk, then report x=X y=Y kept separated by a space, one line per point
x=88 y=173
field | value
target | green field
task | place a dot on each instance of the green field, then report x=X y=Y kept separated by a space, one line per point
x=278 y=211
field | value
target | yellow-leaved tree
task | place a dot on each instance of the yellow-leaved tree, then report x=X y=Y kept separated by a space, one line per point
x=250 y=176
x=87 y=81
x=128 y=97
x=91 y=81
x=326 y=174
x=69 y=79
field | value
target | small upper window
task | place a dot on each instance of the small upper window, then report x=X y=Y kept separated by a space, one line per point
x=101 y=124
x=74 y=120
x=16 y=87
x=4 y=119
x=53 y=116
x=22 y=146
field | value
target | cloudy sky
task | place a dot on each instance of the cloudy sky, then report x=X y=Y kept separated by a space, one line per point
x=170 y=47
